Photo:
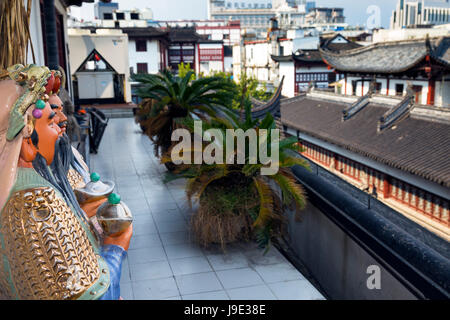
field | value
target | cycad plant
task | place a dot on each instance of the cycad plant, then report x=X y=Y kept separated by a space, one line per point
x=166 y=97
x=237 y=202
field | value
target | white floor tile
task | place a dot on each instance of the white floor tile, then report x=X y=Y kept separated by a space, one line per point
x=198 y=283
x=295 y=290
x=237 y=278
x=190 y=265
x=261 y=292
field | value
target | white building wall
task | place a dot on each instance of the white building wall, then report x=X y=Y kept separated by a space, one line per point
x=384 y=35
x=209 y=67
x=445 y=85
x=287 y=70
x=236 y=62
x=257 y=54
x=152 y=56
x=228 y=61
x=111 y=44
x=392 y=90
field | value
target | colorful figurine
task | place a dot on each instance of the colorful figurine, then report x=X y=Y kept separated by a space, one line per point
x=47 y=247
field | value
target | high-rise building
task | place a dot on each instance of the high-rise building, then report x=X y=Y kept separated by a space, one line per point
x=256 y=14
x=420 y=12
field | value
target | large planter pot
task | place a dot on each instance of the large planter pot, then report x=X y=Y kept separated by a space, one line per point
x=224 y=214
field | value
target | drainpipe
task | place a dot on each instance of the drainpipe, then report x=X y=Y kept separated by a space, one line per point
x=50 y=34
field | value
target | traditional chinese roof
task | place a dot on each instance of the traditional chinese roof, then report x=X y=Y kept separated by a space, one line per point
x=260 y=108
x=328 y=44
x=415 y=145
x=387 y=57
x=187 y=34
x=312 y=56
x=75 y=2
x=147 y=32
x=308 y=56
x=282 y=58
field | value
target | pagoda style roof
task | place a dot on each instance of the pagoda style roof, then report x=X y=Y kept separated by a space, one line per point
x=415 y=145
x=388 y=57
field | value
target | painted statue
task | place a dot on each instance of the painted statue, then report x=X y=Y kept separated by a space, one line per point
x=47 y=246
x=68 y=167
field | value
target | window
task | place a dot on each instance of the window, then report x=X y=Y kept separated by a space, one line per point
x=107 y=16
x=120 y=16
x=417 y=93
x=228 y=51
x=399 y=89
x=134 y=16
x=378 y=87
x=141 y=45
x=142 y=68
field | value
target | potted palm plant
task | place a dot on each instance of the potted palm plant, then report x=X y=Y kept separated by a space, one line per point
x=236 y=202
x=167 y=97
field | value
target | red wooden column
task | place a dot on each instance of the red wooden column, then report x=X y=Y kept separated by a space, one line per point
x=223 y=58
x=387 y=88
x=345 y=92
x=386 y=187
x=295 y=78
x=431 y=92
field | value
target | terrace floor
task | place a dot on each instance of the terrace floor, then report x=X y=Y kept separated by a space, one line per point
x=163 y=262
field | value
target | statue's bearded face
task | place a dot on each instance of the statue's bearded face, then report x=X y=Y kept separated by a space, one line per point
x=57 y=107
x=47 y=132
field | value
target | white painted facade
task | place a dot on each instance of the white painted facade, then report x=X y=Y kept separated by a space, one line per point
x=237 y=62
x=258 y=63
x=151 y=57
x=210 y=66
x=112 y=45
x=287 y=70
x=442 y=88
x=385 y=35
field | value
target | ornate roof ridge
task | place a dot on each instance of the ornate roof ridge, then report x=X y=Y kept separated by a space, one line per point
x=373 y=46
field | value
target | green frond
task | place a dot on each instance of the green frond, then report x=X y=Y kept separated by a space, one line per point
x=201 y=182
x=266 y=203
x=291 y=190
x=251 y=169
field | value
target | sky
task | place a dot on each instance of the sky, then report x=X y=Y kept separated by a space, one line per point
x=355 y=11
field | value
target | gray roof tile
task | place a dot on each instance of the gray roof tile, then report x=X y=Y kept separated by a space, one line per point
x=417 y=146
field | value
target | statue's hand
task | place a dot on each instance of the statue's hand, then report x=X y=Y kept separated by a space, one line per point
x=90 y=208
x=122 y=240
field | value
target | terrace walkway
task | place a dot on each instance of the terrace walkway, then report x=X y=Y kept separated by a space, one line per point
x=163 y=262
